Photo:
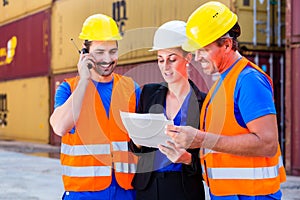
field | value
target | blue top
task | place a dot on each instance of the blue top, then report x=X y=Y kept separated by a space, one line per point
x=253 y=98
x=162 y=163
x=105 y=91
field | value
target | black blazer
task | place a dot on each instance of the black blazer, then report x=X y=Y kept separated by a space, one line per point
x=153 y=97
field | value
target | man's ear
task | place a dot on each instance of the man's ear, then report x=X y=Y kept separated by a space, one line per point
x=228 y=44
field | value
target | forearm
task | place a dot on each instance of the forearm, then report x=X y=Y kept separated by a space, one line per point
x=65 y=116
x=243 y=145
x=261 y=141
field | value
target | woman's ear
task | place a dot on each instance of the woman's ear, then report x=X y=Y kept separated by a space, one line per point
x=189 y=57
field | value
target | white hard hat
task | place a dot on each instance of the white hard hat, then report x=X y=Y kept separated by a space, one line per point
x=169 y=35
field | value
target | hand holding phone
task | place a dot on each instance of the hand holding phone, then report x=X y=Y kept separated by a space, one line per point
x=84 y=50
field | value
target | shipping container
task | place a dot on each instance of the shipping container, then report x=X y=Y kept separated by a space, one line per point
x=262 y=23
x=137 y=20
x=11 y=10
x=25 y=47
x=25 y=104
x=292 y=87
x=148 y=72
x=138 y=27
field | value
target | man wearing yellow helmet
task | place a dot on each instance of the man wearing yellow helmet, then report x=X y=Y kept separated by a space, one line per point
x=238 y=132
x=96 y=163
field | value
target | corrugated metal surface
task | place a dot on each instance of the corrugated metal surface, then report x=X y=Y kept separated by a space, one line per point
x=295 y=95
x=144 y=73
x=28 y=109
x=25 y=47
x=67 y=19
x=292 y=87
x=246 y=19
x=139 y=22
x=12 y=9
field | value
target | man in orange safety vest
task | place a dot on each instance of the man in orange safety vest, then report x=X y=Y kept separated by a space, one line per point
x=241 y=157
x=96 y=163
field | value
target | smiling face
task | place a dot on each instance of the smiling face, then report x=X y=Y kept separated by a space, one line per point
x=208 y=57
x=217 y=56
x=105 y=54
x=172 y=64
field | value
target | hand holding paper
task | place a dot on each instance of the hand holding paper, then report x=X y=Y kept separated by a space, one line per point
x=175 y=154
x=146 y=129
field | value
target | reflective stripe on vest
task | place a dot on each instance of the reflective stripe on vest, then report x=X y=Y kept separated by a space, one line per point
x=120 y=146
x=245 y=173
x=125 y=167
x=81 y=150
x=92 y=171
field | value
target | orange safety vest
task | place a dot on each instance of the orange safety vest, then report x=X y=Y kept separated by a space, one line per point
x=99 y=143
x=228 y=174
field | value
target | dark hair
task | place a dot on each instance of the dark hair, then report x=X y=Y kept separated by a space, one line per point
x=88 y=43
x=185 y=53
x=234 y=33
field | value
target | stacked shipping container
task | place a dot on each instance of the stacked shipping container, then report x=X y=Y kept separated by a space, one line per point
x=292 y=86
x=24 y=69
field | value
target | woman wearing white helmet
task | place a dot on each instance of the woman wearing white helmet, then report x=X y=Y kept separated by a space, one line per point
x=168 y=172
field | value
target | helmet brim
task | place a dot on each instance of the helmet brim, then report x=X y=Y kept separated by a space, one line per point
x=85 y=37
x=161 y=48
x=190 y=46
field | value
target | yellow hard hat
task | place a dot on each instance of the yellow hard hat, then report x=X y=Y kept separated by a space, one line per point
x=208 y=23
x=100 y=27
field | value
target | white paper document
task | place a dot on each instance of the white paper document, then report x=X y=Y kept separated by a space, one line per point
x=146 y=129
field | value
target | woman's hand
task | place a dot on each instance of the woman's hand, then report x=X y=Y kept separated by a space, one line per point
x=175 y=154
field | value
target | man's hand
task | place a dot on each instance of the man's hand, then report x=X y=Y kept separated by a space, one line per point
x=185 y=136
x=175 y=154
x=85 y=63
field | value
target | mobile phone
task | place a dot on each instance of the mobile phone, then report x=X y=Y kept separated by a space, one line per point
x=84 y=50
